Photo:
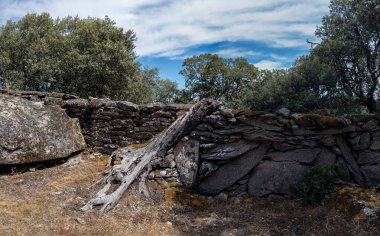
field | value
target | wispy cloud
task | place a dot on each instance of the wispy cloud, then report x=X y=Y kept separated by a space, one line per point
x=268 y=65
x=237 y=52
x=169 y=27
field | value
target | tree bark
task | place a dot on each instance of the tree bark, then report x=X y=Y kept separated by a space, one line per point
x=136 y=163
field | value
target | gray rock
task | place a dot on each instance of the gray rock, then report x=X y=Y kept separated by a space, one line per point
x=237 y=190
x=354 y=142
x=127 y=106
x=370 y=125
x=206 y=169
x=217 y=121
x=342 y=170
x=371 y=174
x=232 y=171
x=350 y=161
x=264 y=135
x=310 y=143
x=283 y=146
x=52 y=101
x=76 y=103
x=229 y=150
x=368 y=158
x=330 y=131
x=283 y=112
x=299 y=155
x=226 y=112
x=276 y=178
x=186 y=155
x=375 y=144
x=365 y=141
x=221 y=197
x=268 y=116
x=336 y=150
x=234 y=130
x=328 y=140
x=259 y=124
x=359 y=117
x=325 y=158
x=34 y=132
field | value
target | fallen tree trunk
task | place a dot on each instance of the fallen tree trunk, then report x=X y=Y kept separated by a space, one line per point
x=136 y=163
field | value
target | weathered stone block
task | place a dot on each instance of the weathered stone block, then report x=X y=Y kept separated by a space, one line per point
x=231 y=172
x=32 y=132
x=186 y=156
x=276 y=178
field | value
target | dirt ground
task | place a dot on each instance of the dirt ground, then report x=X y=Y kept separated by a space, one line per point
x=47 y=202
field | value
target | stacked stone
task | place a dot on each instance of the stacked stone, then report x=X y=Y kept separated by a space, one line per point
x=108 y=124
x=249 y=152
x=263 y=154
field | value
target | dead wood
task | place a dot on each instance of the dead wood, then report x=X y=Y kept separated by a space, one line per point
x=136 y=162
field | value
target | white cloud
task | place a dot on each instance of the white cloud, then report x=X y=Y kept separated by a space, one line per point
x=169 y=27
x=237 y=52
x=269 y=65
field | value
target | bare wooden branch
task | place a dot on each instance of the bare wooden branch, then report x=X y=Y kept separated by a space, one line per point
x=136 y=160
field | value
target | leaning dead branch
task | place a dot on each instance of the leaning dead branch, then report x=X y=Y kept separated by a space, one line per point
x=136 y=162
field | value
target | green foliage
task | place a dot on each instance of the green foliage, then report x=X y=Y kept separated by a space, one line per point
x=318 y=185
x=87 y=57
x=351 y=45
x=210 y=76
x=165 y=91
x=307 y=86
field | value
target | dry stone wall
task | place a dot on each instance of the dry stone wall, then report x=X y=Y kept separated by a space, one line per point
x=253 y=152
x=107 y=125
x=266 y=154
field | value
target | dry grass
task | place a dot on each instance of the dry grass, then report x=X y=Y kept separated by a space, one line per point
x=30 y=204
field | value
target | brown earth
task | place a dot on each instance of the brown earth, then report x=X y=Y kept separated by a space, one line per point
x=47 y=202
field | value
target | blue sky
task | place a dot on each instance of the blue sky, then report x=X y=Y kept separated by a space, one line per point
x=270 y=33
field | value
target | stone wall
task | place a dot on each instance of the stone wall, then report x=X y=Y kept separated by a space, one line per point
x=107 y=125
x=266 y=154
x=254 y=152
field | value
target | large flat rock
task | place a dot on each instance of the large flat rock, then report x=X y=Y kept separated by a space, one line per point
x=276 y=178
x=231 y=172
x=32 y=132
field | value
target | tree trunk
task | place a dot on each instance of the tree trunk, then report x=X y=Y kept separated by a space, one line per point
x=136 y=163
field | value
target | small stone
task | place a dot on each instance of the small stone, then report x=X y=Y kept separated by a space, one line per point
x=32 y=169
x=56 y=193
x=284 y=112
x=221 y=197
x=336 y=150
x=227 y=112
x=169 y=223
x=206 y=169
x=80 y=221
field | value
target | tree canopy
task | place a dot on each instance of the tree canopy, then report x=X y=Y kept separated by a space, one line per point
x=211 y=76
x=81 y=56
x=350 y=44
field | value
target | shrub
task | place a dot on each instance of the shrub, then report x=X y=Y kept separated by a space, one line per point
x=318 y=185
